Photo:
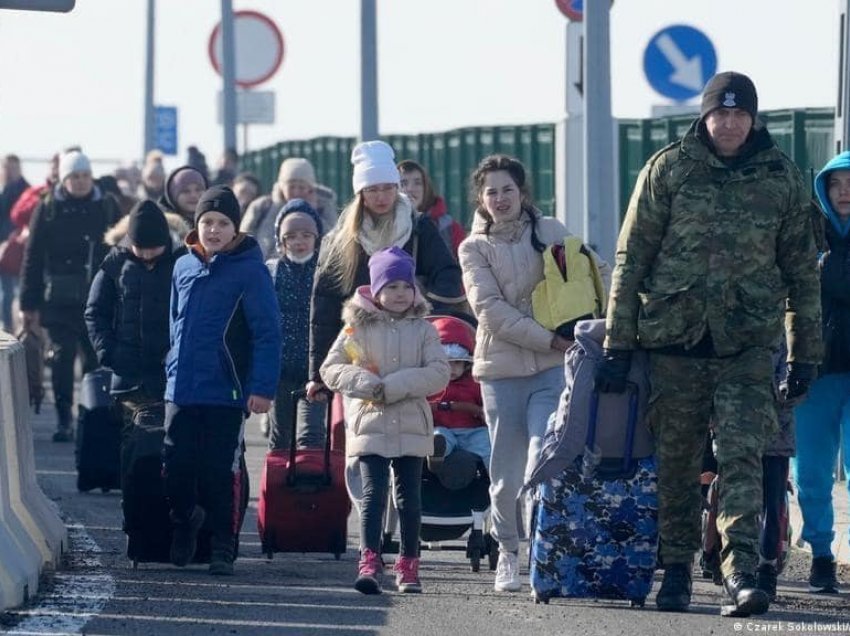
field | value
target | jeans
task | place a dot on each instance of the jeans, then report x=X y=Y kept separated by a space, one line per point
x=474 y=440
x=823 y=425
x=375 y=473
x=517 y=410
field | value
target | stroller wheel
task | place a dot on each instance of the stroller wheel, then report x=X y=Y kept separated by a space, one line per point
x=492 y=551
x=540 y=598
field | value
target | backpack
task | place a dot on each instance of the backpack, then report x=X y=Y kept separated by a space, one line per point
x=566 y=436
x=571 y=289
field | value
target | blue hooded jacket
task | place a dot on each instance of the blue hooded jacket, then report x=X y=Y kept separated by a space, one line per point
x=835 y=275
x=225 y=330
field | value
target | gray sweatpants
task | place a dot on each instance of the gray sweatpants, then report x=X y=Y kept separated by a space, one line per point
x=517 y=410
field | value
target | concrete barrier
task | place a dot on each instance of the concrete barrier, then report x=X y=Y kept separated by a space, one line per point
x=32 y=536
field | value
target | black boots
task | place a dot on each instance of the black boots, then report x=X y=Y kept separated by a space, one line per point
x=675 y=592
x=184 y=537
x=63 y=432
x=746 y=597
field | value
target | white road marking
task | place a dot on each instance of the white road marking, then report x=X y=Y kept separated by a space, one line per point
x=75 y=598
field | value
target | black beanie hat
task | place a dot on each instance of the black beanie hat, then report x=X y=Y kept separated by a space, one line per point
x=147 y=226
x=729 y=90
x=219 y=199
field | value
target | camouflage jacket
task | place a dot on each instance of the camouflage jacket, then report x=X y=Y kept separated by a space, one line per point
x=708 y=247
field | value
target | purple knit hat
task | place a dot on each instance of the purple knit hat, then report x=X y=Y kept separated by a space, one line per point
x=388 y=265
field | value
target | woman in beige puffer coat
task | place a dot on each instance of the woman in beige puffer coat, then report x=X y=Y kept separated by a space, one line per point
x=518 y=362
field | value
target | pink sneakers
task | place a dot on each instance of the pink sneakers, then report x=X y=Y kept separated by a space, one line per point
x=368 y=576
x=407 y=574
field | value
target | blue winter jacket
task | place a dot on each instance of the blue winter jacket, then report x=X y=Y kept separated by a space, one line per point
x=835 y=276
x=225 y=330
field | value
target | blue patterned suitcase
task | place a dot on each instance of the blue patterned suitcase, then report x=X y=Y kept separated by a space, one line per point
x=596 y=527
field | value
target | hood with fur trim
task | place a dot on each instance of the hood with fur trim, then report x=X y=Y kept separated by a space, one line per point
x=361 y=308
x=177 y=226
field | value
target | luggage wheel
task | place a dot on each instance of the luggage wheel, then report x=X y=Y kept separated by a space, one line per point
x=105 y=490
x=637 y=602
x=337 y=556
x=540 y=598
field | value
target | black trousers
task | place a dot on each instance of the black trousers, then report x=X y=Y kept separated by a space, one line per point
x=66 y=340
x=201 y=460
x=375 y=472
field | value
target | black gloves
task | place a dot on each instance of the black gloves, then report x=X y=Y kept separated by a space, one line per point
x=612 y=372
x=797 y=380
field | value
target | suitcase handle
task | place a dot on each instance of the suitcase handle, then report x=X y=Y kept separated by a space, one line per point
x=291 y=476
x=631 y=426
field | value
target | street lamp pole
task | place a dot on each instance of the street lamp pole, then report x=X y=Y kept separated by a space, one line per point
x=228 y=73
x=842 y=116
x=149 y=141
x=368 y=70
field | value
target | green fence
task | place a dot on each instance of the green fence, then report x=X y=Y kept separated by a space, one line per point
x=450 y=157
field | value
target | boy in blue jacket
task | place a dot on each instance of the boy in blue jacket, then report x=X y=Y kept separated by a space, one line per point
x=224 y=361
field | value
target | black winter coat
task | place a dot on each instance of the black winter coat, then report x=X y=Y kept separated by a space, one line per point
x=64 y=249
x=127 y=320
x=835 y=300
x=436 y=269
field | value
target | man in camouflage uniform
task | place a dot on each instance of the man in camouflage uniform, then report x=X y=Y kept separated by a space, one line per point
x=716 y=246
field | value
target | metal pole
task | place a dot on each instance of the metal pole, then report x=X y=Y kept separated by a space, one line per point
x=368 y=70
x=842 y=121
x=228 y=74
x=149 y=141
x=601 y=215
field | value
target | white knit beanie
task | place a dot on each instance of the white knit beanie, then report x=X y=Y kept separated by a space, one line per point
x=296 y=168
x=71 y=162
x=374 y=163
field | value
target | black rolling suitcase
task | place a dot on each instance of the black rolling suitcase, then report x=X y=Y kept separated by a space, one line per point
x=146 y=519
x=98 y=434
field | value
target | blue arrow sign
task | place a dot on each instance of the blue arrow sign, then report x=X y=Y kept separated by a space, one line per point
x=678 y=62
x=165 y=129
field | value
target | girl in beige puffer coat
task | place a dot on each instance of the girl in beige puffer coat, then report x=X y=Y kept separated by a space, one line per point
x=385 y=362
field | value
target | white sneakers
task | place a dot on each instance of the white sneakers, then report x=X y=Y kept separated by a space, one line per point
x=507 y=573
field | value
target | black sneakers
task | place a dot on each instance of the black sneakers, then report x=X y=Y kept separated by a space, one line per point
x=746 y=597
x=822 y=579
x=766 y=580
x=184 y=537
x=675 y=592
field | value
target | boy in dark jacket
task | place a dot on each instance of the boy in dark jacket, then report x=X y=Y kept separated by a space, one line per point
x=224 y=361
x=297 y=231
x=127 y=310
x=458 y=409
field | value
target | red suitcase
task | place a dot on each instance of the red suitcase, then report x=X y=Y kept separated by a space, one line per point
x=303 y=504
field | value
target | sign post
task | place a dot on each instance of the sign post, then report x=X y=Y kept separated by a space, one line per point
x=678 y=61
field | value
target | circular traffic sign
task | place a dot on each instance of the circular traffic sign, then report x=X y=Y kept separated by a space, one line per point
x=573 y=9
x=258 y=48
x=678 y=61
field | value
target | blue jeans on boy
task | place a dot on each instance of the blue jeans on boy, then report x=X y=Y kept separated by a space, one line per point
x=823 y=424
x=473 y=440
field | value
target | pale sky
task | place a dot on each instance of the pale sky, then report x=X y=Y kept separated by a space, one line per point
x=78 y=78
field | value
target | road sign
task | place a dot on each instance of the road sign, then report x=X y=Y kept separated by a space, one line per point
x=165 y=129
x=573 y=9
x=252 y=107
x=259 y=48
x=678 y=61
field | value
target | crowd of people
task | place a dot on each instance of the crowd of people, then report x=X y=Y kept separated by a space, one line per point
x=219 y=300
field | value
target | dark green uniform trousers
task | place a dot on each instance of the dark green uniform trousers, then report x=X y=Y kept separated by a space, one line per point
x=735 y=395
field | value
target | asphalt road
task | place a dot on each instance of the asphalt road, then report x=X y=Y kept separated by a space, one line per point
x=98 y=592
